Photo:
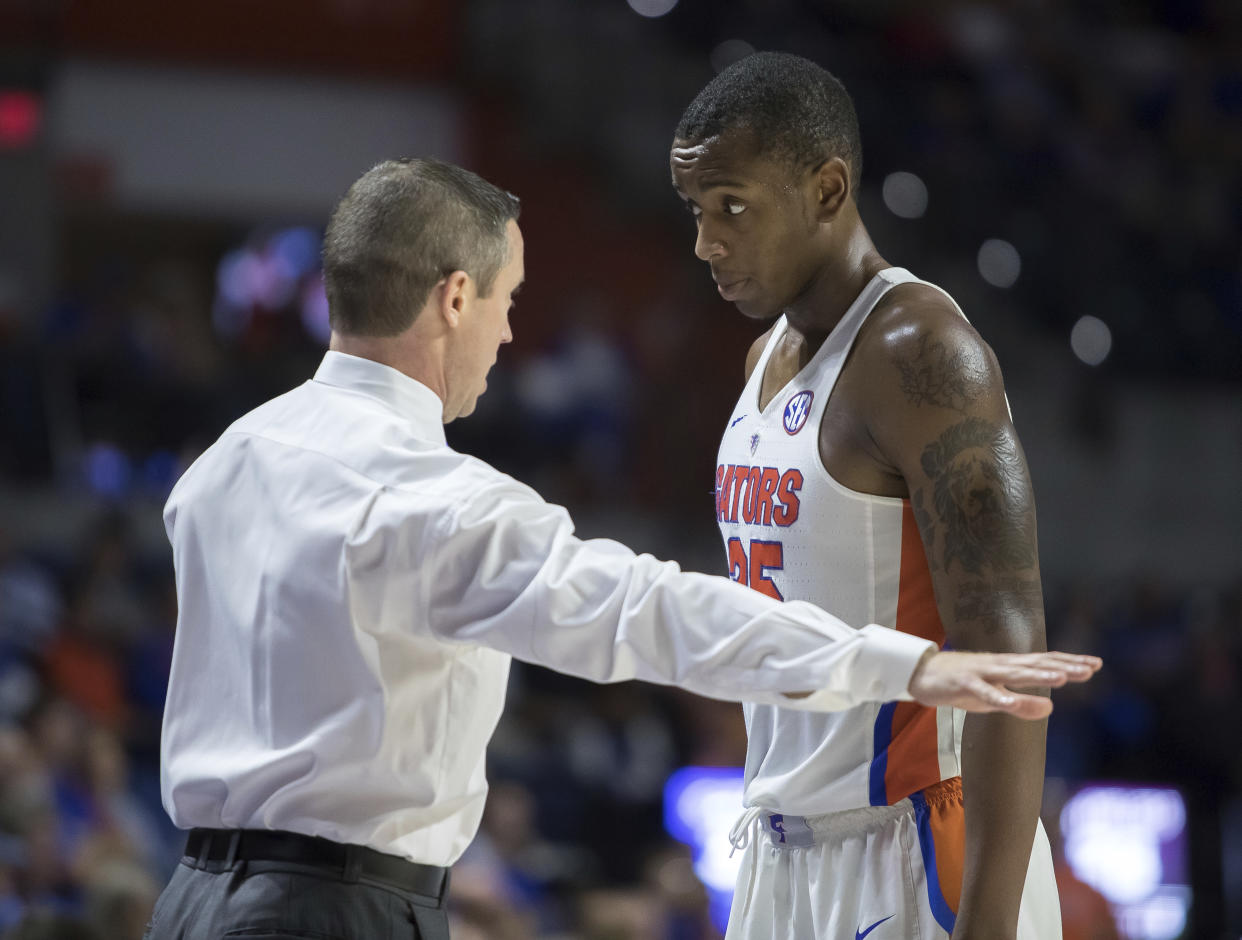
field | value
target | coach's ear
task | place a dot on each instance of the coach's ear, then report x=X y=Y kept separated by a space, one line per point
x=453 y=296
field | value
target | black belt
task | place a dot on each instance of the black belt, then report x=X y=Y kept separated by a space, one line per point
x=349 y=861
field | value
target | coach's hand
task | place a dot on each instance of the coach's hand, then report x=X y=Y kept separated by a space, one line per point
x=982 y=682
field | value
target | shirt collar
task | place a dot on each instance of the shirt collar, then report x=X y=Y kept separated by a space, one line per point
x=410 y=398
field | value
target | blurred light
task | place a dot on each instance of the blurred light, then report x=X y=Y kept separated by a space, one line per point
x=234 y=277
x=728 y=52
x=905 y=195
x=999 y=263
x=274 y=281
x=232 y=311
x=160 y=472
x=278 y=274
x=1125 y=867
x=651 y=8
x=1129 y=843
x=107 y=470
x=315 y=309
x=20 y=115
x=297 y=249
x=1161 y=916
x=545 y=387
x=701 y=804
x=1091 y=340
x=980 y=32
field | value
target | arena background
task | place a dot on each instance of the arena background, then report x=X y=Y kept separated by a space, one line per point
x=1068 y=170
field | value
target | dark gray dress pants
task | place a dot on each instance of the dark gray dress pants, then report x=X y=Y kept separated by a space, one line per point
x=262 y=900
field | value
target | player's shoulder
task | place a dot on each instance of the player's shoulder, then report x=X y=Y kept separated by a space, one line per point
x=916 y=348
x=915 y=321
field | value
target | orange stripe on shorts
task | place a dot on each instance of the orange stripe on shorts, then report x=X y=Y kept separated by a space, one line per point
x=947 y=816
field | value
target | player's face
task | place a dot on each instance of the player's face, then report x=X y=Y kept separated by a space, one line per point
x=486 y=326
x=755 y=217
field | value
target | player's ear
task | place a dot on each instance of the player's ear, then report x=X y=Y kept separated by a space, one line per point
x=452 y=296
x=833 y=188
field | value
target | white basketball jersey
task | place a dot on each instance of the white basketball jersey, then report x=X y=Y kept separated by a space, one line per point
x=793 y=532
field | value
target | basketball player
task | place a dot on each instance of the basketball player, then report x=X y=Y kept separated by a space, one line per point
x=871 y=466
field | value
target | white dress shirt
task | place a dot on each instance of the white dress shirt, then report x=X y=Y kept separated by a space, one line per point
x=351 y=591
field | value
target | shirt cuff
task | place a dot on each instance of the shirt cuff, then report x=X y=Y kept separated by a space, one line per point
x=881 y=670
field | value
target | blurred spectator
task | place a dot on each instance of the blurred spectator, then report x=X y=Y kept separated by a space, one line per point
x=1085 y=912
x=84 y=666
x=620 y=914
x=119 y=898
x=669 y=874
x=515 y=865
x=53 y=927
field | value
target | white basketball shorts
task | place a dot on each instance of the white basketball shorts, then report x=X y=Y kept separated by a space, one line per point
x=875 y=873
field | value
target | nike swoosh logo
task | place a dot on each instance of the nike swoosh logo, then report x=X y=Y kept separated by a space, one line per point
x=859 y=934
x=736 y=420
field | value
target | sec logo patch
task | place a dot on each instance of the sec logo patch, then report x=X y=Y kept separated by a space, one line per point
x=796 y=411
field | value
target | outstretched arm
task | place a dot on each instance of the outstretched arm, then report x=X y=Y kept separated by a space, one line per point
x=508 y=573
x=512 y=576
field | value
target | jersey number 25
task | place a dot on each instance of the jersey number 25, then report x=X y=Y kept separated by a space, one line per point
x=764 y=557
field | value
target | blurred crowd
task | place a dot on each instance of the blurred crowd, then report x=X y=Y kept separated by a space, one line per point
x=1100 y=138
x=573 y=842
x=85 y=644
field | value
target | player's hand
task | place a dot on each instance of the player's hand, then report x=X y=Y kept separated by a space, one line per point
x=982 y=682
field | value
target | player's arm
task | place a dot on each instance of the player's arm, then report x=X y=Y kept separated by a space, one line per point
x=939 y=415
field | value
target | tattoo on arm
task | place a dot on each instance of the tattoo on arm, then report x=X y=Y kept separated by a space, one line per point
x=924 y=520
x=936 y=376
x=995 y=599
x=981 y=498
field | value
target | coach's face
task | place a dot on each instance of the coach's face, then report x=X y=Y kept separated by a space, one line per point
x=484 y=327
x=758 y=218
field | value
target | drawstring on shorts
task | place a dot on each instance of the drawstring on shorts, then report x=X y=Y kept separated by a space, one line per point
x=746 y=828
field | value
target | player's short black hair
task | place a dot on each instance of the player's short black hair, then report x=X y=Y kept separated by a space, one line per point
x=403 y=226
x=797 y=110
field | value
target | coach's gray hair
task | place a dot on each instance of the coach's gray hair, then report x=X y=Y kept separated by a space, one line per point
x=403 y=226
